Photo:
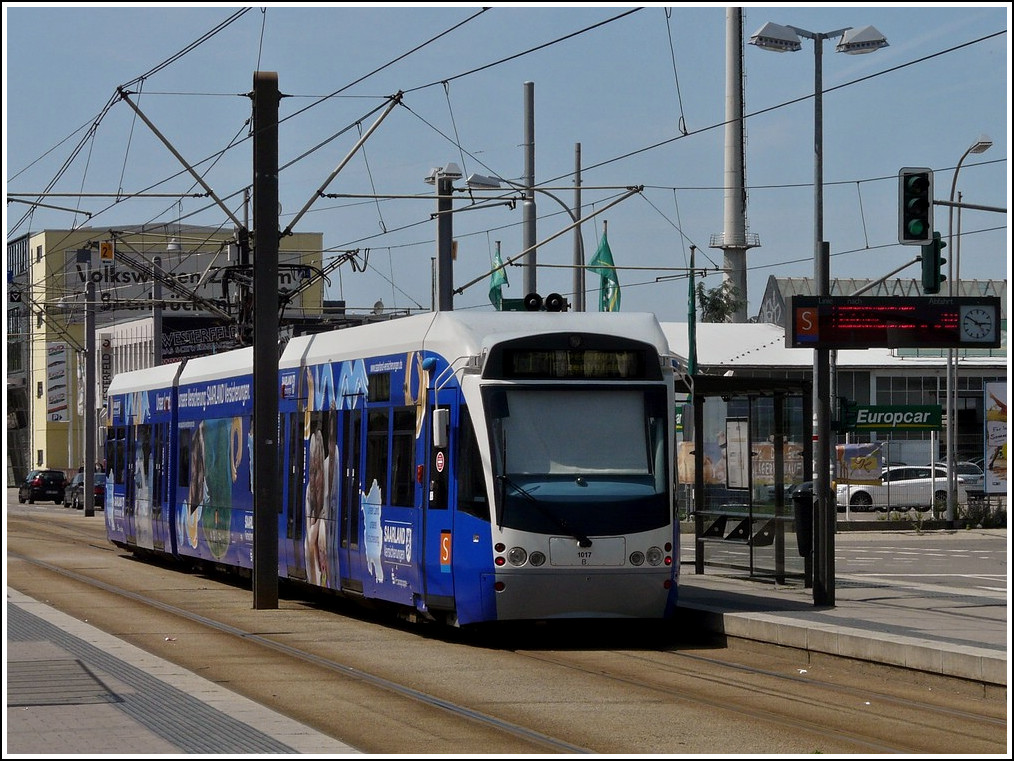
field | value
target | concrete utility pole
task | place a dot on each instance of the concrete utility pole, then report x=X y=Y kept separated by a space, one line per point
x=528 y=205
x=265 y=340
x=734 y=240
x=578 y=305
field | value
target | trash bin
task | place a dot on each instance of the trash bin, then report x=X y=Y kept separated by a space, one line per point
x=803 y=508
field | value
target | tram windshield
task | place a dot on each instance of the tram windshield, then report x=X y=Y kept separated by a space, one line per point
x=586 y=461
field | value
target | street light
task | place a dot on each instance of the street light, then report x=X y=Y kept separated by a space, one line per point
x=483 y=182
x=443 y=178
x=783 y=39
x=981 y=145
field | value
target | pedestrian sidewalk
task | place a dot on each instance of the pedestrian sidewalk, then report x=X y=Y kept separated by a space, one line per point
x=907 y=623
x=72 y=689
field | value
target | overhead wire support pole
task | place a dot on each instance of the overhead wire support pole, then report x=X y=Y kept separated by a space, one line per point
x=395 y=100
x=265 y=340
x=89 y=395
x=528 y=211
x=183 y=161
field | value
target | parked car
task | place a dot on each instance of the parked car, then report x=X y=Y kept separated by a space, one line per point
x=76 y=490
x=969 y=472
x=76 y=482
x=902 y=487
x=42 y=484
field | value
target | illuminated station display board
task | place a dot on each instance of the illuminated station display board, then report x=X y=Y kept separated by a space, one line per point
x=859 y=322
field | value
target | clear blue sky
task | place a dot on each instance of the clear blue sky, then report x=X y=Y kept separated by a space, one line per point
x=641 y=90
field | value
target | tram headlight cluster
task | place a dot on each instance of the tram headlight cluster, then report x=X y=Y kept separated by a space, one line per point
x=654 y=556
x=519 y=556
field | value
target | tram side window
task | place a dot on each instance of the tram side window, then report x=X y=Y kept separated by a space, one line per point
x=139 y=461
x=114 y=453
x=402 y=460
x=376 y=450
x=119 y=455
x=472 y=498
x=183 y=462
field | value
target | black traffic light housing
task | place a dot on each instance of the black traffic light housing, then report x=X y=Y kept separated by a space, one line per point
x=931 y=264
x=915 y=206
x=554 y=302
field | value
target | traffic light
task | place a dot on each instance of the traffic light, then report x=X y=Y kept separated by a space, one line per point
x=915 y=206
x=931 y=263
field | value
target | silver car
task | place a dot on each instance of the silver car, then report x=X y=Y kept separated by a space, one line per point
x=902 y=487
x=968 y=472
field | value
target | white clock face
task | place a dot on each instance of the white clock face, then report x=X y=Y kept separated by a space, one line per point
x=977 y=324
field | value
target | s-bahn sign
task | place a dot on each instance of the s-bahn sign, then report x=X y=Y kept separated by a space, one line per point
x=921 y=322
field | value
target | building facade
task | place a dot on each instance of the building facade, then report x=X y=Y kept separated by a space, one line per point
x=161 y=293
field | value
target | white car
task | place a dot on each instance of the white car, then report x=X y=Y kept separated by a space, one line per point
x=968 y=472
x=902 y=487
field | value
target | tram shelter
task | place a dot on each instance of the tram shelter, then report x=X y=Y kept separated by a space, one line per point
x=745 y=471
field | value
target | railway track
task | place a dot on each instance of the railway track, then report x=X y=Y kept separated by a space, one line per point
x=384 y=686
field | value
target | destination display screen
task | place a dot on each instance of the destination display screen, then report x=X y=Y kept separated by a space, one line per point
x=573 y=356
x=859 y=322
x=573 y=363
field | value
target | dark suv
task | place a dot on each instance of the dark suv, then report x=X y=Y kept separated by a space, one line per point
x=43 y=484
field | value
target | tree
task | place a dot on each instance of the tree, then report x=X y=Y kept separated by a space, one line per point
x=718 y=304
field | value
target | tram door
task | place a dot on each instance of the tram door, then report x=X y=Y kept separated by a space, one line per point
x=292 y=543
x=437 y=510
x=159 y=486
x=129 y=483
x=349 y=520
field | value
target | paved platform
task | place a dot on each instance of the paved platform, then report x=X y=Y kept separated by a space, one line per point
x=72 y=689
x=904 y=624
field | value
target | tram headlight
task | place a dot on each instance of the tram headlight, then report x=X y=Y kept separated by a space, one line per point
x=517 y=556
x=537 y=558
x=654 y=555
x=637 y=557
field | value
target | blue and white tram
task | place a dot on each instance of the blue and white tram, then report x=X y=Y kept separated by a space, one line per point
x=462 y=467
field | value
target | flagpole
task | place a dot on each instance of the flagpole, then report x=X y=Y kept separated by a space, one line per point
x=692 y=320
x=605 y=237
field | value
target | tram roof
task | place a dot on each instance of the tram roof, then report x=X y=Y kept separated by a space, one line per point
x=143 y=380
x=455 y=334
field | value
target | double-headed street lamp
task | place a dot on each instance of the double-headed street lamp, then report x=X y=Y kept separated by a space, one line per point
x=483 y=182
x=981 y=145
x=782 y=39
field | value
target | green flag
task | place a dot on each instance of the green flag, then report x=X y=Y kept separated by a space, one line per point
x=497 y=280
x=602 y=265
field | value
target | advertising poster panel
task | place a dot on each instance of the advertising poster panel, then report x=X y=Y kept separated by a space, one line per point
x=995 y=438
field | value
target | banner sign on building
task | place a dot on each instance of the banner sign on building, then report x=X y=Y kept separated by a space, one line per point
x=184 y=337
x=105 y=362
x=995 y=463
x=858 y=463
x=56 y=382
x=895 y=417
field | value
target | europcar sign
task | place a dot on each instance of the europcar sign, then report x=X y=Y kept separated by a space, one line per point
x=925 y=417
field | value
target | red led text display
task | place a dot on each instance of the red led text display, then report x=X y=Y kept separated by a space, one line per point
x=842 y=322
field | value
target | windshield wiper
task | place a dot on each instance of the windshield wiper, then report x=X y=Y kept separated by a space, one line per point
x=582 y=540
